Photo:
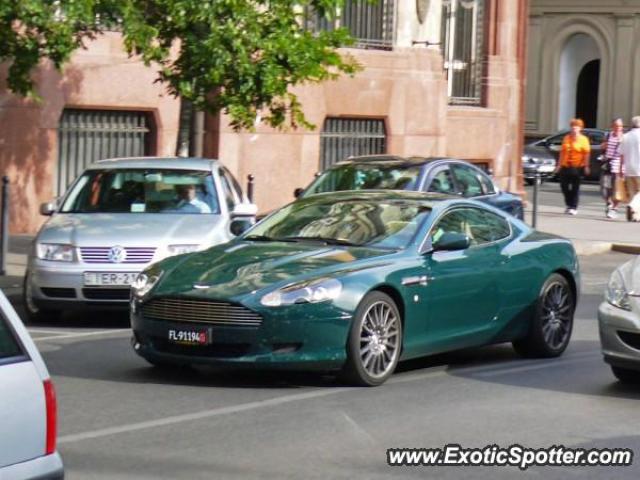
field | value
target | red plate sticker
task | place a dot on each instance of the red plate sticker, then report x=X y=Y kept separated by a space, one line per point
x=188 y=337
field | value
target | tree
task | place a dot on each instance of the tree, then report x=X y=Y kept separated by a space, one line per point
x=237 y=56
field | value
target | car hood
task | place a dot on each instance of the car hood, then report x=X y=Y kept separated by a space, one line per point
x=132 y=229
x=239 y=268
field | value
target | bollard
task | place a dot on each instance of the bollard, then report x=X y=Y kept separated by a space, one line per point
x=534 y=213
x=250 y=179
x=4 y=226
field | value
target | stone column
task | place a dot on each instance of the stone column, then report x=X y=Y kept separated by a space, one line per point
x=623 y=86
x=534 y=74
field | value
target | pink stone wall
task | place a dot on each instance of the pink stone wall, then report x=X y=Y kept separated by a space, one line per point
x=101 y=77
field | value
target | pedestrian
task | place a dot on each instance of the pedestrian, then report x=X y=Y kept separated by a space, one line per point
x=573 y=164
x=630 y=159
x=611 y=167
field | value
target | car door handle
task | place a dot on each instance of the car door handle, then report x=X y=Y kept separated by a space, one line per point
x=416 y=280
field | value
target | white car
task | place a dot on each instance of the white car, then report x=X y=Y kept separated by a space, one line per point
x=28 y=411
x=619 y=322
x=121 y=215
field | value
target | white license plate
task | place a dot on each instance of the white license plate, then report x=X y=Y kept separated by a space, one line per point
x=121 y=279
x=188 y=337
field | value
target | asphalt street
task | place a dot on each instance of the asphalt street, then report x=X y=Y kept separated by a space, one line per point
x=122 y=419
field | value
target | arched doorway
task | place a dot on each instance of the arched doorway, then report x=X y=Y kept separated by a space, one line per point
x=579 y=80
x=587 y=93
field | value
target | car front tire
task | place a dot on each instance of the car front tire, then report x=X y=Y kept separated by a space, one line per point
x=552 y=323
x=375 y=341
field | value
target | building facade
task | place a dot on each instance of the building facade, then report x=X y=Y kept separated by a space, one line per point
x=439 y=78
x=582 y=62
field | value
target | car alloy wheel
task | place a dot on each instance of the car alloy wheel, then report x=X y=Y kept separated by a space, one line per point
x=550 y=328
x=375 y=341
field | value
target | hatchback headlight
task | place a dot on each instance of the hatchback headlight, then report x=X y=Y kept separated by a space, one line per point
x=180 y=249
x=56 y=252
x=616 y=292
x=314 y=291
x=144 y=282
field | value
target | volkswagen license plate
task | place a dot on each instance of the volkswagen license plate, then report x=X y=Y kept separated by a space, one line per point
x=115 y=279
x=188 y=337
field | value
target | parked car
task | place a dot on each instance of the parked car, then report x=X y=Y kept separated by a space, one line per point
x=538 y=155
x=619 y=321
x=27 y=405
x=121 y=215
x=356 y=281
x=438 y=175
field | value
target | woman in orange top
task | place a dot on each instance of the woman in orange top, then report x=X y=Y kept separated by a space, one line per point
x=574 y=162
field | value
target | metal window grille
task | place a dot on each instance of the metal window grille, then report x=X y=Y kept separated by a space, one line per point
x=462 y=38
x=370 y=24
x=85 y=136
x=345 y=137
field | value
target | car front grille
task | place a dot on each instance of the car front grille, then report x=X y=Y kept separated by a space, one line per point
x=102 y=255
x=58 y=292
x=631 y=339
x=106 y=293
x=201 y=311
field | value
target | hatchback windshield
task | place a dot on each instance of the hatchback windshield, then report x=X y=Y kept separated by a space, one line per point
x=366 y=177
x=385 y=224
x=143 y=191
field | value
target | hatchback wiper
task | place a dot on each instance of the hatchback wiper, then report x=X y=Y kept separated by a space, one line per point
x=327 y=240
x=266 y=238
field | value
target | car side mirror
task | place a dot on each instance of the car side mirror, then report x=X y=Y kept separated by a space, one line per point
x=240 y=225
x=451 y=241
x=298 y=192
x=244 y=210
x=47 y=209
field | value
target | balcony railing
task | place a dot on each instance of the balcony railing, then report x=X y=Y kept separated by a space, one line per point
x=370 y=24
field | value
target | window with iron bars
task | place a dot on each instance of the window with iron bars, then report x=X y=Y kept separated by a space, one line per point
x=463 y=42
x=342 y=138
x=370 y=24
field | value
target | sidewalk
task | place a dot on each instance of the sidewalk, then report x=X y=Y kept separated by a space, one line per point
x=590 y=231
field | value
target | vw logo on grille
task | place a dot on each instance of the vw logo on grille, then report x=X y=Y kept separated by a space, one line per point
x=117 y=254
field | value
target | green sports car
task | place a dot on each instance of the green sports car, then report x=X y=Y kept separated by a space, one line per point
x=357 y=281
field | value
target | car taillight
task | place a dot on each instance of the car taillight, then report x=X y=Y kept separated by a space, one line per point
x=52 y=417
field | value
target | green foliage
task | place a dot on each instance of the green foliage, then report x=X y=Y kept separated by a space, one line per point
x=238 y=56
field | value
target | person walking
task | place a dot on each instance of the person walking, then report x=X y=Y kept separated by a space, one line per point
x=573 y=164
x=611 y=167
x=630 y=159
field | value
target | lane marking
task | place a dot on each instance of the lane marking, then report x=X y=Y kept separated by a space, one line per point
x=527 y=368
x=286 y=399
x=37 y=330
x=80 y=335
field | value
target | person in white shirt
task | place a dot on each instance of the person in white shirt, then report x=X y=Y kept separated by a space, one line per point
x=630 y=159
x=189 y=203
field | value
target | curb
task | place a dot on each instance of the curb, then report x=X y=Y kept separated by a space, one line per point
x=626 y=248
x=585 y=248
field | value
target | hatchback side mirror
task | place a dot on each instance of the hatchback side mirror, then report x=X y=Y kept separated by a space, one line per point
x=240 y=225
x=47 y=209
x=452 y=241
x=244 y=210
x=298 y=192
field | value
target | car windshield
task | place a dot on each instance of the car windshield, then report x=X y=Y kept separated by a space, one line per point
x=143 y=191
x=384 y=224
x=366 y=177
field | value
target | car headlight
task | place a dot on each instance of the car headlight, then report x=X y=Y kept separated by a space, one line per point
x=616 y=292
x=314 y=291
x=56 y=252
x=180 y=249
x=549 y=161
x=144 y=282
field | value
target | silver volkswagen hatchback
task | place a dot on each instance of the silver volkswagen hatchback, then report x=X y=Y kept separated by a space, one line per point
x=119 y=216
